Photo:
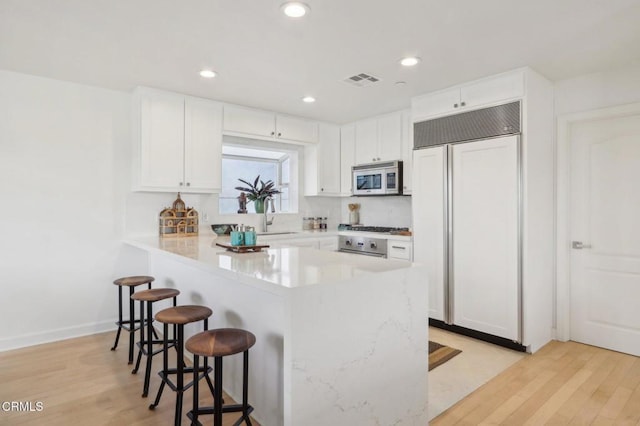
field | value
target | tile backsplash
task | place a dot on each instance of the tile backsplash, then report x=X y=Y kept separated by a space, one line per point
x=394 y=211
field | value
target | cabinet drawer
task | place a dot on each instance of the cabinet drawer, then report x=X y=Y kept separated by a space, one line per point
x=399 y=250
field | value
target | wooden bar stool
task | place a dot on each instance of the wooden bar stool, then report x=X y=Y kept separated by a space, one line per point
x=218 y=344
x=129 y=324
x=179 y=316
x=145 y=345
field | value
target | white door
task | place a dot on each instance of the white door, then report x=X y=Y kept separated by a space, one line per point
x=605 y=218
x=428 y=204
x=484 y=203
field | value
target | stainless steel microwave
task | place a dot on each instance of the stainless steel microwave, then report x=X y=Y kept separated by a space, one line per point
x=384 y=178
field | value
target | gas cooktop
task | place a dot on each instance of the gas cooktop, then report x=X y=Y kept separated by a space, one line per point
x=381 y=229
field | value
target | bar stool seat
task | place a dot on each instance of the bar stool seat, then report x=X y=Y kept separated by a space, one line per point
x=219 y=343
x=145 y=345
x=131 y=325
x=179 y=316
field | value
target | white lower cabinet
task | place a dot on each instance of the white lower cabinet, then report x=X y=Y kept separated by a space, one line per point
x=400 y=250
x=177 y=142
x=320 y=243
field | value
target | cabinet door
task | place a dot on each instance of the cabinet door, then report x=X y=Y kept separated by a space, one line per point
x=328 y=244
x=492 y=90
x=390 y=137
x=347 y=157
x=296 y=129
x=329 y=159
x=485 y=236
x=428 y=211
x=249 y=121
x=366 y=141
x=161 y=149
x=203 y=145
x=438 y=103
x=399 y=250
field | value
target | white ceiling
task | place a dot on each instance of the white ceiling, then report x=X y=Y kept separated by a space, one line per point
x=269 y=61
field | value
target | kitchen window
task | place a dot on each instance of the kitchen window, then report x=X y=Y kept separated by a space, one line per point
x=241 y=162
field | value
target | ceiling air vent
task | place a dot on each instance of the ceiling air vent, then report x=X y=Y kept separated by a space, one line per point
x=361 y=80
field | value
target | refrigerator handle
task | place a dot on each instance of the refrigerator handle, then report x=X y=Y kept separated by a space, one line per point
x=448 y=237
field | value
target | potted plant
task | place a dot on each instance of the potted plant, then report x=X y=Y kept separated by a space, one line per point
x=258 y=195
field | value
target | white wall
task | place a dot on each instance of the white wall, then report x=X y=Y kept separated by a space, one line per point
x=599 y=90
x=65 y=173
x=62 y=166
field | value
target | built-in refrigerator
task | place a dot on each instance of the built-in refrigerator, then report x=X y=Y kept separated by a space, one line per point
x=467 y=220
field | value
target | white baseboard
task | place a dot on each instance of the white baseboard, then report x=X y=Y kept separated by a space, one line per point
x=48 y=336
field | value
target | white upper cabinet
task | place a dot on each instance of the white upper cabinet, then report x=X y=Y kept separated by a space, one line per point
x=480 y=93
x=347 y=157
x=322 y=163
x=203 y=145
x=249 y=121
x=379 y=138
x=296 y=129
x=407 y=152
x=366 y=141
x=177 y=142
x=268 y=125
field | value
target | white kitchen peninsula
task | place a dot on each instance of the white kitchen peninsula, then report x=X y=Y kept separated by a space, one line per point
x=341 y=338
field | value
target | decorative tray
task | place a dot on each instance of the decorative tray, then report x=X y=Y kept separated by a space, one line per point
x=242 y=249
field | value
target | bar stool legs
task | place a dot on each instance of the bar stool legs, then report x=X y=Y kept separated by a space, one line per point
x=218 y=344
x=130 y=324
x=146 y=342
x=179 y=316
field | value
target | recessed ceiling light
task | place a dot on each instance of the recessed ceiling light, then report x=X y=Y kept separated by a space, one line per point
x=207 y=74
x=308 y=99
x=294 y=9
x=409 y=61
x=401 y=83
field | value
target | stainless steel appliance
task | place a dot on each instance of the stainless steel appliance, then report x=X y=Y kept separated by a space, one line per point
x=377 y=178
x=365 y=245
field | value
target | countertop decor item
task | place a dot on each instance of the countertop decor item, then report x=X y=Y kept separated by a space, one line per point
x=242 y=249
x=258 y=194
x=222 y=228
x=354 y=213
x=178 y=220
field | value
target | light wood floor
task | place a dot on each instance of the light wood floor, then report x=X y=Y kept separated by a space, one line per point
x=562 y=384
x=81 y=382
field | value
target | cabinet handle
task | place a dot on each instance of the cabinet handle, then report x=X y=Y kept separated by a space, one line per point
x=378 y=158
x=188 y=183
x=322 y=189
x=273 y=133
x=180 y=183
x=455 y=105
x=373 y=159
x=279 y=134
x=462 y=103
x=399 y=247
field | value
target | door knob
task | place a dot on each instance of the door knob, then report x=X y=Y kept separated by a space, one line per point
x=579 y=246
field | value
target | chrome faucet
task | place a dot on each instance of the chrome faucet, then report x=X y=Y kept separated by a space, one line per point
x=265 y=222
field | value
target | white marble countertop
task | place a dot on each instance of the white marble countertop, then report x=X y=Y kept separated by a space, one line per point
x=274 y=269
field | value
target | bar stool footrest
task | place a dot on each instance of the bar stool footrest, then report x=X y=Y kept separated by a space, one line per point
x=164 y=376
x=172 y=343
x=231 y=408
